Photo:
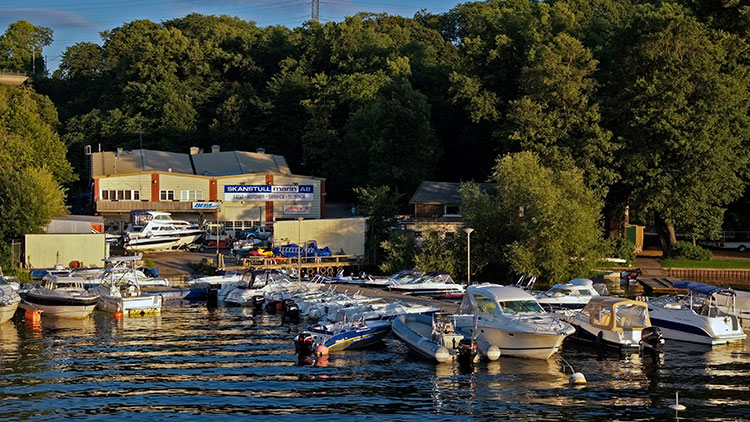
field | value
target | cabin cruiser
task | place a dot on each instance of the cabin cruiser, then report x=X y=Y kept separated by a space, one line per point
x=61 y=296
x=9 y=300
x=695 y=318
x=120 y=290
x=511 y=319
x=156 y=230
x=431 y=284
x=574 y=294
x=613 y=322
x=249 y=290
x=730 y=301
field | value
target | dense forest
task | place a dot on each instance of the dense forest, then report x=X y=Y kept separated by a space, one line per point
x=648 y=100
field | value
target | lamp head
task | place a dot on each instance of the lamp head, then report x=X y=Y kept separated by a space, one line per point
x=468 y=230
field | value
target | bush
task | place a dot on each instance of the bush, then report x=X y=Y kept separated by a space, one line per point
x=620 y=247
x=686 y=250
x=149 y=263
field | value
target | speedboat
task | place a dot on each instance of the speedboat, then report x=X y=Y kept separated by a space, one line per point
x=696 y=317
x=120 y=290
x=574 y=294
x=61 y=296
x=431 y=284
x=613 y=322
x=435 y=338
x=511 y=319
x=249 y=290
x=341 y=335
x=146 y=227
x=9 y=300
x=377 y=310
x=403 y=276
x=730 y=301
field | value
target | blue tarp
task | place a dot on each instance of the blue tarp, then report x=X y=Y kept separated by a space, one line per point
x=702 y=288
x=292 y=251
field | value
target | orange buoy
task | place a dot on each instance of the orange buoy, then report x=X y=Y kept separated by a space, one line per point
x=118 y=315
x=33 y=316
x=321 y=351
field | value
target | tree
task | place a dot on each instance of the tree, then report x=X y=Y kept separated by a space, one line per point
x=398 y=252
x=441 y=251
x=680 y=104
x=21 y=47
x=539 y=220
x=380 y=204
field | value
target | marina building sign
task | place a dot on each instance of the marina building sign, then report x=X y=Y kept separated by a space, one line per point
x=268 y=192
x=296 y=209
x=206 y=206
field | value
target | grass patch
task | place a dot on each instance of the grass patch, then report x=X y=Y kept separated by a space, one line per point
x=719 y=264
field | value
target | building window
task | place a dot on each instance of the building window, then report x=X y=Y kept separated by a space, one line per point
x=166 y=195
x=191 y=195
x=452 y=211
x=121 y=195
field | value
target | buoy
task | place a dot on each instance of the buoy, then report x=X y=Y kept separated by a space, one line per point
x=321 y=350
x=577 y=378
x=677 y=406
x=118 y=315
x=492 y=353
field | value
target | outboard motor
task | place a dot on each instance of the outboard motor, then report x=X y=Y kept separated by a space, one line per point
x=291 y=309
x=258 y=302
x=303 y=344
x=651 y=340
x=212 y=296
x=467 y=351
x=271 y=306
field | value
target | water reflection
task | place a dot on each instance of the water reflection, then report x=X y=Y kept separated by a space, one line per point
x=192 y=360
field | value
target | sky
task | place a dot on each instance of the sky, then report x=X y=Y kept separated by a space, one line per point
x=82 y=20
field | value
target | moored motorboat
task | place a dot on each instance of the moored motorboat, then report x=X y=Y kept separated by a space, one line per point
x=511 y=319
x=120 y=292
x=341 y=335
x=574 y=294
x=615 y=323
x=9 y=300
x=435 y=338
x=431 y=284
x=61 y=296
x=694 y=318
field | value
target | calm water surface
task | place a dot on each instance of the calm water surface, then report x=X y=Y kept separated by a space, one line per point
x=192 y=362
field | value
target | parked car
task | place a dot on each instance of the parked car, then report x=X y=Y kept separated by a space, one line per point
x=262 y=233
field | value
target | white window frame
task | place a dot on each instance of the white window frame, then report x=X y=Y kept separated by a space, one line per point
x=445 y=211
x=191 y=195
x=119 y=194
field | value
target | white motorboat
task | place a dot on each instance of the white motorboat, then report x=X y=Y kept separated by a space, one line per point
x=219 y=285
x=61 y=296
x=401 y=277
x=9 y=300
x=695 y=318
x=341 y=335
x=435 y=338
x=613 y=322
x=120 y=291
x=136 y=274
x=431 y=284
x=730 y=301
x=150 y=243
x=511 y=319
x=379 y=310
x=574 y=294
x=249 y=291
x=147 y=224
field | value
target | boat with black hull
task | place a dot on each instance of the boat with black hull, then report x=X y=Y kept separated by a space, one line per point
x=61 y=296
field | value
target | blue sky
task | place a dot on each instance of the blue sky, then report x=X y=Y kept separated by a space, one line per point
x=82 y=20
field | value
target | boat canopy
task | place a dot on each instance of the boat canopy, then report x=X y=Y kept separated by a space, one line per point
x=628 y=314
x=694 y=286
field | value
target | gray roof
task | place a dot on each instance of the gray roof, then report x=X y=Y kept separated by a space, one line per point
x=109 y=163
x=442 y=193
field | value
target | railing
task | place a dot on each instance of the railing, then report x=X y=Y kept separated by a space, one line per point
x=13 y=72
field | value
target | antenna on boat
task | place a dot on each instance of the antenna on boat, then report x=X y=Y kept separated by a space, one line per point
x=677 y=406
x=576 y=378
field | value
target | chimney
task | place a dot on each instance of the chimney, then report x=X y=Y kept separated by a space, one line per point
x=215 y=148
x=193 y=150
x=260 y=150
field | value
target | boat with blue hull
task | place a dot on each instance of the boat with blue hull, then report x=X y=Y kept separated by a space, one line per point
x=337 y=336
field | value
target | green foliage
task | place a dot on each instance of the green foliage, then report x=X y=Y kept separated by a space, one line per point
x=620 y=247
x=686 y=250
x=539 y=220
x=398 y=252
x=380 y=204
x=21 y=47
x=440 y=251
x=149 y=263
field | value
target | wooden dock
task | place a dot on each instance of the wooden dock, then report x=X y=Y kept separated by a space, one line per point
x=324 y=265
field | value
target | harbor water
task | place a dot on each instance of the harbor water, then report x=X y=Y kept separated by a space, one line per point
x=192 y=362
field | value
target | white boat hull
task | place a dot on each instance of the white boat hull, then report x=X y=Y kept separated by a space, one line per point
x=62 y=311
x=522 y=345
x=685 y=325
x=137 y=305
x=7 y=312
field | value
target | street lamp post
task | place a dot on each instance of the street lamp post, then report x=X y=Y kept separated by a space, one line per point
x=468 y=231
x=299 y=249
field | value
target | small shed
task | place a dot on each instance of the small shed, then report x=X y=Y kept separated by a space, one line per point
x=48 y=250
x=81 y=224
x=440 y=200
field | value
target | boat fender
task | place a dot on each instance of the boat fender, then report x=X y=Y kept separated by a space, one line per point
x=490 y=351
x=321 y=350
x=577 y=378
x=442 y=354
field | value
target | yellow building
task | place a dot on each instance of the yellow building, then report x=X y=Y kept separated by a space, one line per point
x=237 y=188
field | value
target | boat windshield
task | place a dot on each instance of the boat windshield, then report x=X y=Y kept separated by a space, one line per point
x=632 y=315
x=521 y=307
